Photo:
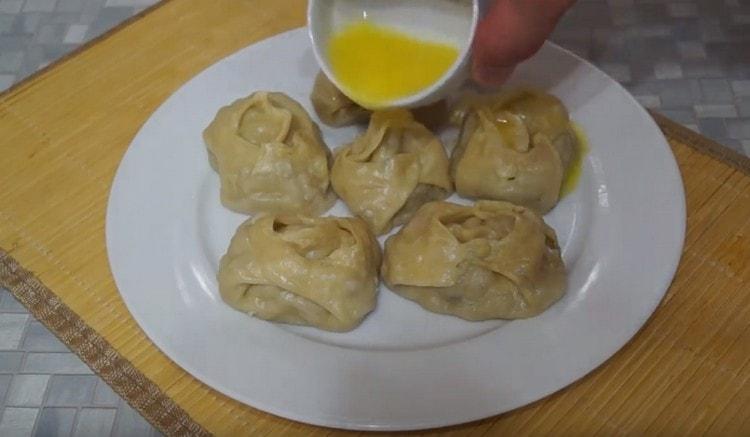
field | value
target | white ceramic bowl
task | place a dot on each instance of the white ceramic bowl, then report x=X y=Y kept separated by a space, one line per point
x=435 y=19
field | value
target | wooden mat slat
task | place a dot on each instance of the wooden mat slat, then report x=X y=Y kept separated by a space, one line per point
x=64 y=133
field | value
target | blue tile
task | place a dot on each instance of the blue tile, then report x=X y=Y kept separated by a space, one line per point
x=9 y=304
x=54 y=362
x=716 y=91
x=39 y=339
x=679 y=93
x=10 y=361
x=70 y=390
x=27 y=390
x=70 y=5
x=55 y=422
x=682 y=10
x=39 y=5
x=739 y=129
x=741 y=88
x=27 y=24
x=51 y=33
x=18 y=422
x=104 y=395
x=11 y=330
x=652 y=13
x=743 y=107
x=94 y=422
x=11 y=6
x=702 y=69
x=6 y=80
x=692 y=50
x=713 y=127
x=731 y=143
x=109 y=18
x=5 y=381
x=130 y=423
x=687 y=30
x=684 y=116
x=6 y=23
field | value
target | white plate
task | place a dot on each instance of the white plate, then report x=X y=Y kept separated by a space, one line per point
x=405 y=368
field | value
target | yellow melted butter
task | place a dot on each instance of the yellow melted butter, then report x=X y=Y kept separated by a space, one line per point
x=573 y=175
x=377 y=65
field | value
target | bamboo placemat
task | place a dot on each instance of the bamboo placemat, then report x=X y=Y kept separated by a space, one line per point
x=65 y=130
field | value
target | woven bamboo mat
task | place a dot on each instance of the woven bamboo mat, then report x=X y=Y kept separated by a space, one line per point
x=65 y=130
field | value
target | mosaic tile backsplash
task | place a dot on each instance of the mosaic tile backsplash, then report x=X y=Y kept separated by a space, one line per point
x=688 y=59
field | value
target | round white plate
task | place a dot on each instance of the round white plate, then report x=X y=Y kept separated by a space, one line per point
x=404 y=368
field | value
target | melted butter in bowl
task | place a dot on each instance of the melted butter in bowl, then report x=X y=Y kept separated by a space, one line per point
x=394 y=53
x=376 y=64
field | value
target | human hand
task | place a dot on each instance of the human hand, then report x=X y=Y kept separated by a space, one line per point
x=511 y=32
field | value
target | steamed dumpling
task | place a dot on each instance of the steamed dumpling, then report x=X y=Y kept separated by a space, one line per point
x=321 y=272
x=333 y=107
x=493 y=260
x=497 y=158
x=270 y=156
x=386 y=174
x=516 y=147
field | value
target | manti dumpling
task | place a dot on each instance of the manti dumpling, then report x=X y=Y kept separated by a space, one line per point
x=270 y=157
x=386 y=174
x=515 y=147
x=333 y=107
x=321 y=272
x=492 y=260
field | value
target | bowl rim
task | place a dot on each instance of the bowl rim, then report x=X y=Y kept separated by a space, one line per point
x=426 y=95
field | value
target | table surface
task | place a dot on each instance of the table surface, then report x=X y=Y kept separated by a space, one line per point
x=688 y=73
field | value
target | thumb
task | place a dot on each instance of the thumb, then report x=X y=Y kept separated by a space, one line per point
x=511 y=32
